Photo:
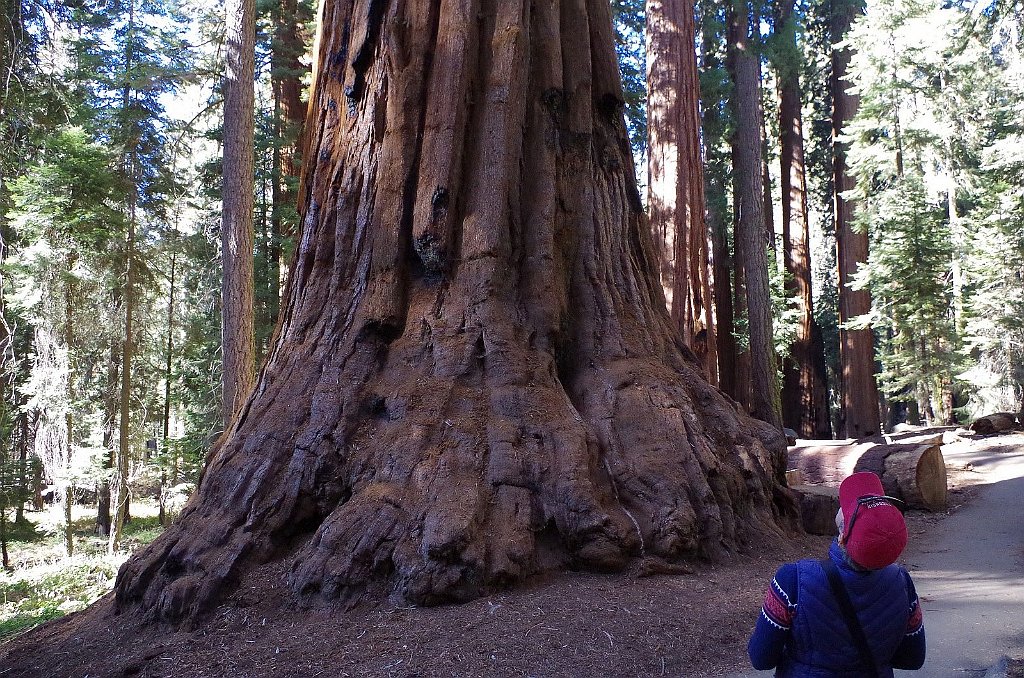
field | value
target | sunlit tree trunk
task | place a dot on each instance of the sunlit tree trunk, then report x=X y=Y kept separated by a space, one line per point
x=675 y=174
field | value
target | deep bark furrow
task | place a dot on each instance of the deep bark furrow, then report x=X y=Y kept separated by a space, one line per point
x=440 y=180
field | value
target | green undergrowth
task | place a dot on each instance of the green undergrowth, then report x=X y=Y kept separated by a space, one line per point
x=45 y=583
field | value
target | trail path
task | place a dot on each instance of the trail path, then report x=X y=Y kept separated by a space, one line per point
x=969 y=567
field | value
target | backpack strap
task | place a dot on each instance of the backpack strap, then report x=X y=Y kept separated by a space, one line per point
x=835 y=582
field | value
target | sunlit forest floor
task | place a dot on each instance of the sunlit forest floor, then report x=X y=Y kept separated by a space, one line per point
x=44 y=583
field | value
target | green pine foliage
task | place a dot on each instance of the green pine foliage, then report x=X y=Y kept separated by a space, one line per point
x=630 y=21
x=908 y=277
x=936 y=150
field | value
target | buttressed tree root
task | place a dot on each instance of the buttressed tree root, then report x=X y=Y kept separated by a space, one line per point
x=475 y=377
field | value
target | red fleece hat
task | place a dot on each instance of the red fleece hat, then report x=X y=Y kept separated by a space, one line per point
x=873 y=528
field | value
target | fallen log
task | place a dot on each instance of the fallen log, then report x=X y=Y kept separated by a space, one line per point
x=994 y=423
x=826 y=463
x=912 y=472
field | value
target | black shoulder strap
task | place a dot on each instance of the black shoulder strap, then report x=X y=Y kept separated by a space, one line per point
x=849 y=614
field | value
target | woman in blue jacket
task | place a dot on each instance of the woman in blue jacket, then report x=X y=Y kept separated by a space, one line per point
x=806 y=630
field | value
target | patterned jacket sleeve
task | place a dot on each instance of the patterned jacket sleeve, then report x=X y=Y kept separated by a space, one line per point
x=911 y=650
x=772 y=630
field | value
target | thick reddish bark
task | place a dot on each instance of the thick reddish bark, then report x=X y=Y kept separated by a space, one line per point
x=289 y=113
x=753 y=292
x=804 y=385
x=713 y=124
x=860 y=415
x=676 y=176
x=475 y=377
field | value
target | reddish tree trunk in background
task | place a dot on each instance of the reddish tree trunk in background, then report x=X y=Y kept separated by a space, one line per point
x=860 y=416
x=751 y=243
x=718 y=226
x=676 y=177
x=804 y=385
x=237 y=332
x=286 y=81
x=475 y=377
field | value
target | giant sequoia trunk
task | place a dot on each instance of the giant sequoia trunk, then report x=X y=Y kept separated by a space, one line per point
x=675 y=174
x=474 y=377
x=804 y=382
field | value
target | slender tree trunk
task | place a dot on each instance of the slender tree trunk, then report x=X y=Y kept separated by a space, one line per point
x=168 y=374
x=110 y=414
x=475 y=377
x=805 y=385
x=751 y=245
x=675 y=174
x=713 y=126
x=21 y=448
x=238 y=337
x=121 y=491
x=860 y=415
x=69 y=343
x=3 y=536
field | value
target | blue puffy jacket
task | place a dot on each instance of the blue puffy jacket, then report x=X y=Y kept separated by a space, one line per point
x=801 y=630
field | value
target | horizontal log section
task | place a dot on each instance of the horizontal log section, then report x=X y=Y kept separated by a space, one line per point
x=914 y=472
x=994 y=423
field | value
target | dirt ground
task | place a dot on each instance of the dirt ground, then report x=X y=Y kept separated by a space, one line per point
x=572 y=624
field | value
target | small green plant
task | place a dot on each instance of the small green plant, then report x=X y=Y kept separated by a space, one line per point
x=12 y=626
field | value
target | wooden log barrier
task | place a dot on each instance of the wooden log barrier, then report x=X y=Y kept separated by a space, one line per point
x=818 y=507
x=914 y=472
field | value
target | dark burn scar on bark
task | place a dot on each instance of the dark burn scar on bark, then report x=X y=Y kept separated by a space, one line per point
x=364 y=55
x=337 y=63
x=385 y=330
x=351 y=99
x=610 y=107
x=554 y=100
x=428 y=249
x=439 y=201
x=376 y=406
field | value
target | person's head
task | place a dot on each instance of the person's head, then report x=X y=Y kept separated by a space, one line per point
x=871 y=527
